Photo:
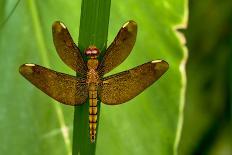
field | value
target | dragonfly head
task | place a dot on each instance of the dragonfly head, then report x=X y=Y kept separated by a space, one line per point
x=92 y=52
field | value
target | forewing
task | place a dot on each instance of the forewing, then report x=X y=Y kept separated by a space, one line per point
x=67 y=49
x=124 y=86
x=120 y=48
x=61 y=87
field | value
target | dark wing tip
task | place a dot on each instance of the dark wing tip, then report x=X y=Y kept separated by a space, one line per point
x=131 y=26
x=26 y=69
x=58 y=26
x=161 y=65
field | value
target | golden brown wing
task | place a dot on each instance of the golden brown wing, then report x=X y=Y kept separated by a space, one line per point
x=67 y=49
x=124 y=86
x=120 y=48
x=62 y=87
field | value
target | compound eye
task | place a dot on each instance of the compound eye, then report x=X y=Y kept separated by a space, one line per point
x=95 y=52
x=88 y=52
x=91 y=51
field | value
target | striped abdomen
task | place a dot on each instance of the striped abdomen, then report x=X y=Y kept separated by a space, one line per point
x=92 y=112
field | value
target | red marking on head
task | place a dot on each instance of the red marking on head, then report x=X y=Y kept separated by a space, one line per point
x=92 y=51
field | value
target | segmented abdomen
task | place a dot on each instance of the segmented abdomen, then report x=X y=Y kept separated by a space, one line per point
x=92 y=113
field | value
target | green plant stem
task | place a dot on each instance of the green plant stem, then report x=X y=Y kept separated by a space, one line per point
x=93 y=30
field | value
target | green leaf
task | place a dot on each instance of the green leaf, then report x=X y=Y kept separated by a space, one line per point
x=93 y=31
x=34 y=124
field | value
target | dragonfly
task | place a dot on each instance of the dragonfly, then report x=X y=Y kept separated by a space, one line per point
x=91 y=84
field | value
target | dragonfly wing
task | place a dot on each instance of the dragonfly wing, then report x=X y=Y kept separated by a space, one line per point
x=67 y=49
x=64 y=88
x=120 y=48
x=124 y=86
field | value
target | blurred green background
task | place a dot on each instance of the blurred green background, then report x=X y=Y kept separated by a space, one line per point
x=30 y=124
x=207 y=124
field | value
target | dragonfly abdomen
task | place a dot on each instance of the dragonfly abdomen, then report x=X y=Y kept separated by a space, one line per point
x=92 y=113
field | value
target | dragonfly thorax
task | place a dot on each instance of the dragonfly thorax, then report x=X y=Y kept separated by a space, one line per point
x=92 y=63
x=92 y=74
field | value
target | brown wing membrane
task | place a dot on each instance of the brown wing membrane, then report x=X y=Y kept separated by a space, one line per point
x=124 y=86
x=67 y=49
x=62 y=87
x=120 y=48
